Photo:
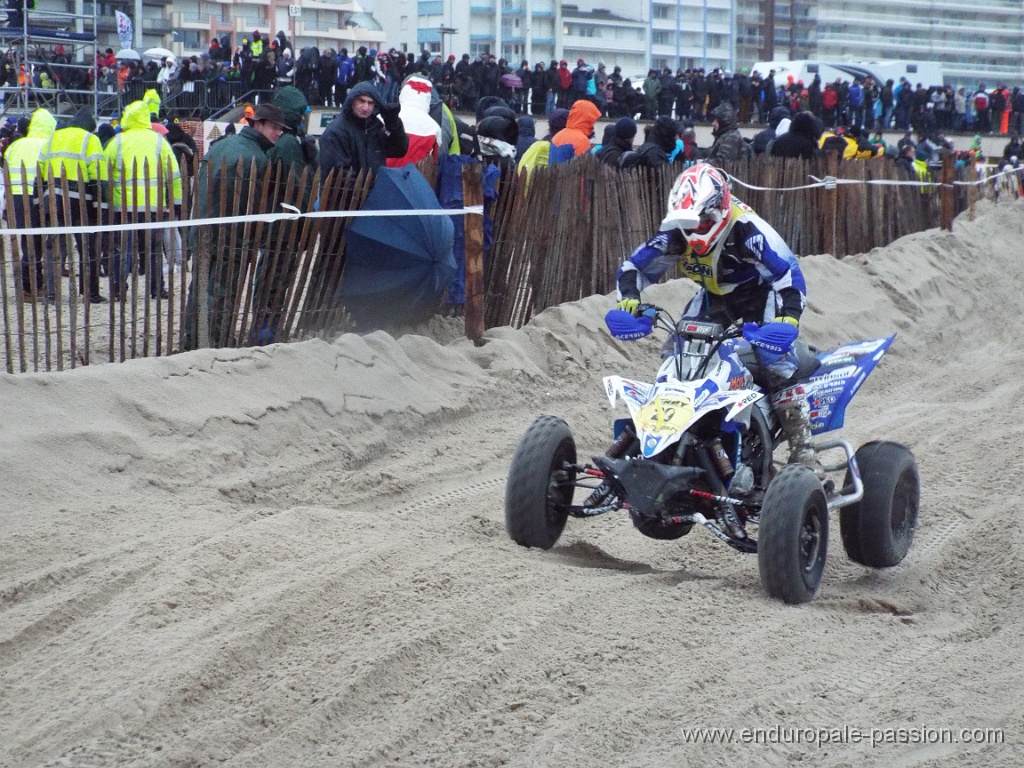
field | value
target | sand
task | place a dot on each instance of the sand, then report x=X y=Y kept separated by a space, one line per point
x=295 y=555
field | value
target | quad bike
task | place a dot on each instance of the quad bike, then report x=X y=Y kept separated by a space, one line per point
x=697 y=449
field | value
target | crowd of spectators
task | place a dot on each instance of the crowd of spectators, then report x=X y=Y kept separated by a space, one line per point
x=259 y=64
x=396 y=110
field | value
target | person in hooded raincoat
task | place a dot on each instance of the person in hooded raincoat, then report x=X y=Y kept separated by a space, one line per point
x=22 y=160
x=579 y=128
x=364 y=134
x=134 y=156
x=801 y=140
x=71 y=158
x=292 y=148
x=620 y=141
x=659 y=142
x=423 y=131
x=729 y=144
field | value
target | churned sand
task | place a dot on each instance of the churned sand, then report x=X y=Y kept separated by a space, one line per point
x=295 y=556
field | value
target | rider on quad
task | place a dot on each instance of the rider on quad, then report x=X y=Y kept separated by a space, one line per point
x=745 y=270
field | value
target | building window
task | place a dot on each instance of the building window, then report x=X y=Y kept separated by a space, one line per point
x=104 y=9
x=661 y=37
x=578 y=30
x=479 y=49
x=403 y=23
x=189 y=38
x=664 y=12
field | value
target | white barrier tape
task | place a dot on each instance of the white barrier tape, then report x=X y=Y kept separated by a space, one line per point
x=831 y=182
x=876 y=182
x=294 y=214
x=775 y=189
x=991 y=177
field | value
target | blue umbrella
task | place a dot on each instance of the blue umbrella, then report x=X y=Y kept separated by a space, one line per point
x=397 y=268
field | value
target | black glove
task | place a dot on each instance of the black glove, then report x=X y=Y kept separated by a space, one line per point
x=389 y=113
x=309 y=153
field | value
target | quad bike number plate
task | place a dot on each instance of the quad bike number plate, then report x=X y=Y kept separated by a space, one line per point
x=664 y=415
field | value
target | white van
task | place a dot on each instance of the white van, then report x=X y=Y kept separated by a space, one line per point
x=927 y=73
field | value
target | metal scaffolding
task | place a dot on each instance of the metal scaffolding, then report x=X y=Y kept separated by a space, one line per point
x=50 y=59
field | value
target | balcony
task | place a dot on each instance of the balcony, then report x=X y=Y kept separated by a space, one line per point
x=161 y=26
x=249 y=23
x=611 y=45
x=430 y=8
x=181 y=20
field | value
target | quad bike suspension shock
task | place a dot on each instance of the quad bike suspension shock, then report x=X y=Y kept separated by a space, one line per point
x=616 y=450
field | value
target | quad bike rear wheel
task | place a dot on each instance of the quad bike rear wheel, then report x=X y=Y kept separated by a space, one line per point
x=540 y=483
x=793 y=540
x=878 y=530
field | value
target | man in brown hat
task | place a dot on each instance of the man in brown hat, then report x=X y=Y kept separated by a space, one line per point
x=223 y=183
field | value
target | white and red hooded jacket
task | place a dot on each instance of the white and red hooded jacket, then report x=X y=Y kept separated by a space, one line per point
x=423 y=131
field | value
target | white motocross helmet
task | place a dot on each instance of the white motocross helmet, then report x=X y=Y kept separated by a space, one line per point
x=700 y=205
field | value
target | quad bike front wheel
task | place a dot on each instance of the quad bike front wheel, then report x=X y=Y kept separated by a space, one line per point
x=877 y=530
x=540 y=483
x=793 y=540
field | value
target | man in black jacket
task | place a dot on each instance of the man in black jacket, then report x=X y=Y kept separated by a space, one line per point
x=553 y=84
x=621 y=141
x=659 y=141
x=365 y=134
x=801 y=140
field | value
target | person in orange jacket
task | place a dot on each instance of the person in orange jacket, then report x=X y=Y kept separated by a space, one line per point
x=579 y=128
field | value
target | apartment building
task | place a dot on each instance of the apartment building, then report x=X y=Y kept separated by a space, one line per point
x=534 y=30
x=151 y=20
x=982 y=42
x=687 y=34
x=321 y=23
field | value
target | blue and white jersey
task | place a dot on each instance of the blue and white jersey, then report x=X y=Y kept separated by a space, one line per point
x=750 y=255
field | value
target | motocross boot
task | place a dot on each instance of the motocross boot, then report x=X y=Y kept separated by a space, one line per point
x=794 y=418
x=731 y=521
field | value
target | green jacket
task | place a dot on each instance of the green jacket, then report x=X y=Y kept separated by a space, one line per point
x=652 y=86
x=219 y=173
x=288 y=148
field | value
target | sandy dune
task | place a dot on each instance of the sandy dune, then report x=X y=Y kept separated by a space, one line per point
x=295 y=556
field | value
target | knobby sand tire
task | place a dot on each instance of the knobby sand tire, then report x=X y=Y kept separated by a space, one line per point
x=539 y=488
x=878 y=530
x=793 y=541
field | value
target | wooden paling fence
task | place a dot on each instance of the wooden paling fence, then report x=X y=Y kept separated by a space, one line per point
x=263 y=280
x=559 y=234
